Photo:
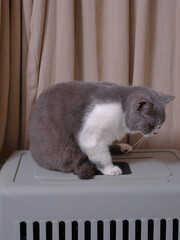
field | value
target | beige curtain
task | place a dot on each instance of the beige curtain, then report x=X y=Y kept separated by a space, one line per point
x=10 y=76
x=124 y=41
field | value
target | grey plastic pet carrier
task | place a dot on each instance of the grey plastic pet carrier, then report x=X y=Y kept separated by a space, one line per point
x=141 y=204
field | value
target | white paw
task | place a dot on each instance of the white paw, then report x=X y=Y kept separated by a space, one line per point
x=111 y=170
x=125 y=147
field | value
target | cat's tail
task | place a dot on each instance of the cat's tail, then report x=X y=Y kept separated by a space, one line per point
x=87 y=170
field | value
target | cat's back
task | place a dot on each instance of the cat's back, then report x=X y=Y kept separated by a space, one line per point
x=65 y=92
x=75 y=94
x=68 y=94
x=66 y=103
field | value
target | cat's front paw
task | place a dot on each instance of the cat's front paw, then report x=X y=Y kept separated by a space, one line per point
x=111 y=170
x=125 y=147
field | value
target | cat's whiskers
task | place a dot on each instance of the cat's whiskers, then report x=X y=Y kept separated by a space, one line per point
x=143 y=142
x=134 y=145
x=148 y=139
x=139 y=144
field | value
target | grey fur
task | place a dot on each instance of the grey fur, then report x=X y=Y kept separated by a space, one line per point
x=58 y=114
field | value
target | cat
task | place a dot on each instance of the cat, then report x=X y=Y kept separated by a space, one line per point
x=74 y=124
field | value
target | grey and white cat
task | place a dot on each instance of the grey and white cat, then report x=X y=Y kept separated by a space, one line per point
x=74 y=124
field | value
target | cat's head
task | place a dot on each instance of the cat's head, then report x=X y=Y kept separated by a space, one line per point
x=145 y=111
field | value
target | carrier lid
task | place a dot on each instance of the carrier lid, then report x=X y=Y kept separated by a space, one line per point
x=147 y=166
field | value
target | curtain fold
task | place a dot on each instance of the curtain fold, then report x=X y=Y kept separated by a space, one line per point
x=10 y=77
x=42 y=42
x=156 y=59
x=86 y=41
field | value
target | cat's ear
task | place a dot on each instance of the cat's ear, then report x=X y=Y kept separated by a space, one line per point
x=140 y=105
x=144 y=107
x=165 y=98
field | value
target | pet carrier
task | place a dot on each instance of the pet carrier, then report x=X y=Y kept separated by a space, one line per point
x=141 y=204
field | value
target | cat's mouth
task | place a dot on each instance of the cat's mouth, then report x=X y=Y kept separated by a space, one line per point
x=155 y=131
x=141 y=142
x=151 y=134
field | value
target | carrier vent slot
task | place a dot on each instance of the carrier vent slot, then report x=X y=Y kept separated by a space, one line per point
x=100 y=228
x=113 y=230
x=137 y=230
x=23 y=230
x=152 y=229
x=176 y=230
x=62 y=230
x=74 y=230
x=36 y=231
x=49 y=233
x=87 y=230
x=125 y=229
x=163 y=229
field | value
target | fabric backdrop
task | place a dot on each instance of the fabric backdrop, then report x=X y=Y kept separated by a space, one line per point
x=42 y=42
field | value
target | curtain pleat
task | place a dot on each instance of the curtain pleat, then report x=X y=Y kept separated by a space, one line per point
x=86 y=55
x=4 y=69
x=10 y=77
x=155 y=62
x=43 y=42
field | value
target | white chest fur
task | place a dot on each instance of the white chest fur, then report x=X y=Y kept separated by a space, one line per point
x=102 y=125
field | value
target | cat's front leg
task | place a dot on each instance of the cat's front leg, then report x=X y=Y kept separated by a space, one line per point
x=102 y=160
x=118 y=148
x=124 y=147
x=99 y=155
x=111 y=170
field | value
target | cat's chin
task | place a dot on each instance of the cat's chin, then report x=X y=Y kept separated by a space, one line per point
x=146 y=135
x=149 y=134
x=134 y=132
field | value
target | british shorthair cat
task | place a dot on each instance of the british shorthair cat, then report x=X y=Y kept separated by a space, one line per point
x=74 y=124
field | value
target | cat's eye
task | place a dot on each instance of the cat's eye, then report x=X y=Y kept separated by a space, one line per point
x=151 y=125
